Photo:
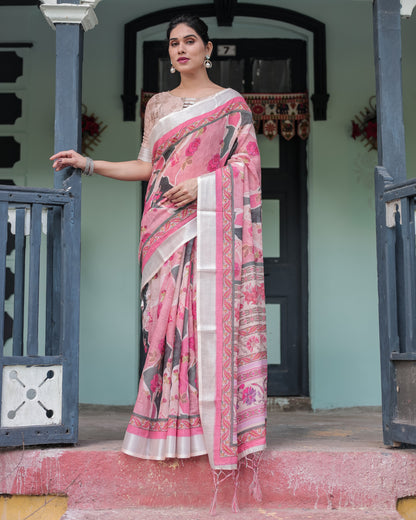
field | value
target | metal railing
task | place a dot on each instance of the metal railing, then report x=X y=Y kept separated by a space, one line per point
x=396 y=251
x=38 y=310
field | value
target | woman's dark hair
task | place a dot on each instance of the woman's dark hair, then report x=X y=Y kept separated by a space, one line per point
x=193 y=21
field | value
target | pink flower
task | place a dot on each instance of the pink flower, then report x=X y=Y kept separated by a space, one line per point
x=249 y=395
x=155 y=383
x=251 y=296
x=251 y=343
x=252 y=148
x=214 y=163
x=193 y=146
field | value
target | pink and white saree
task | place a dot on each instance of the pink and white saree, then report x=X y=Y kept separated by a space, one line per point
x=203 y=386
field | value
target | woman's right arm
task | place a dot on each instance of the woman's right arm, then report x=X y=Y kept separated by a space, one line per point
x=135 y=170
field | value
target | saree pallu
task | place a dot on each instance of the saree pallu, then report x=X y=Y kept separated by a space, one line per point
x=203 y=386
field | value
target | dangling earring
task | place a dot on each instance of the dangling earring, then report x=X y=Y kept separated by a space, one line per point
x=207 y=62
x=172 y=69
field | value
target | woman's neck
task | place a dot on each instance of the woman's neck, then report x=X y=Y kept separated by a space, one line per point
x=195 y=86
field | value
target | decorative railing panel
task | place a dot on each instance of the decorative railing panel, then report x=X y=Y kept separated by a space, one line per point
x=395 y=209
x=39 y=360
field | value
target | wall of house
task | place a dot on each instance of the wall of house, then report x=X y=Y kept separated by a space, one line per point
x=343 y=340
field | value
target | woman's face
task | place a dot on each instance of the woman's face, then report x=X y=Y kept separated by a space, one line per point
x=187 y=51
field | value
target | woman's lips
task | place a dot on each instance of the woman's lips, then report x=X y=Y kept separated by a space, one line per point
x=183 y=60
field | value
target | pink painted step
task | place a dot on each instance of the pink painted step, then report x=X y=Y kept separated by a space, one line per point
x=251 y=514
x=313 y=480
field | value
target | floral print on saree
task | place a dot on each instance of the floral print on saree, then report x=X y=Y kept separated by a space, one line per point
x=203 y=387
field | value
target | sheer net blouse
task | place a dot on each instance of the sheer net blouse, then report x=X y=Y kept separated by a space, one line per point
x=160 y=105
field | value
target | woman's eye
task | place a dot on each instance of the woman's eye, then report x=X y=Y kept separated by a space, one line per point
x=190 y=41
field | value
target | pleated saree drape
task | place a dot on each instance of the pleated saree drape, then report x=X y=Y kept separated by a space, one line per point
x=203 y=387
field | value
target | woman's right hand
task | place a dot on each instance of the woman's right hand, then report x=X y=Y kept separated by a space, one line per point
x=68 y=158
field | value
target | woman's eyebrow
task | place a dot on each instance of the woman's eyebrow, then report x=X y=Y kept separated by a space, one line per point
x=187 y=36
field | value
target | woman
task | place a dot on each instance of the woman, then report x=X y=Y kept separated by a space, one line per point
x=203 y=386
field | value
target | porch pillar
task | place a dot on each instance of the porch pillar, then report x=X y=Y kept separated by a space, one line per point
x=388 y=65
x=70 y=18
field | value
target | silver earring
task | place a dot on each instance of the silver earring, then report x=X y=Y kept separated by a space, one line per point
x=172 y=69
x=207 y=62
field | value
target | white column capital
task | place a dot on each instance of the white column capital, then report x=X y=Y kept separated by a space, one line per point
x=407 y=7
x=82 y=13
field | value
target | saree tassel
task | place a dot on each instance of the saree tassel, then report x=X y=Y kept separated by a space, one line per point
x=213 y=509
x=219 y=476
x=254 y=488
x=234 y=504
x=252 y=462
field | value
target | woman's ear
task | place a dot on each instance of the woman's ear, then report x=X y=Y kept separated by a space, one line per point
x=209 y=48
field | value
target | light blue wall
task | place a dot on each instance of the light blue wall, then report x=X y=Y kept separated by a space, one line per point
x=344 y=362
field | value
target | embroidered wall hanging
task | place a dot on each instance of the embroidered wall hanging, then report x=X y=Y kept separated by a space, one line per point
x=92 y=128
x=364 y=125
x=273 y=114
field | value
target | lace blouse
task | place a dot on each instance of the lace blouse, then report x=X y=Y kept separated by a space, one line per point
x=160 y=105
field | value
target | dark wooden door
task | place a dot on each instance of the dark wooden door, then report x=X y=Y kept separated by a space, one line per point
x=268 y=65
x=285 y=268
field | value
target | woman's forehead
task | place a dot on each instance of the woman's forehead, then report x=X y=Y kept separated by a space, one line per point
x=182 y=31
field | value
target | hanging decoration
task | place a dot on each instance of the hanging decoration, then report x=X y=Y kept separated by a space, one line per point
x=364 y=125
x=92 y=128
x=273 y=114
x=280 y=114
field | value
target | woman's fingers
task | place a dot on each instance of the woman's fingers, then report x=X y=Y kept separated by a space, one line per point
x=67 y=158
x=63 y=154
x=183 y=193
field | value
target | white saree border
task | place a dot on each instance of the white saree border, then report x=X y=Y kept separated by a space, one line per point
x=166 y=250
x=206 y=307
x=174 y=119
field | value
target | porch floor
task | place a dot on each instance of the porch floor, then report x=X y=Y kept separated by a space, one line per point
x=329 y=465
x=102 y=427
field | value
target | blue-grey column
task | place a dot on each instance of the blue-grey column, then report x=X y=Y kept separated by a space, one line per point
x=68 y=91
x=69 y=54
x=388 y=65
x=395 y=300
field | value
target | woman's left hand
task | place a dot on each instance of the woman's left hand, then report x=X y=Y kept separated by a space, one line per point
x=183 y=193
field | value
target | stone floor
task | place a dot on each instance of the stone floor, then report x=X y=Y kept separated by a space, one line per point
x=340 y=429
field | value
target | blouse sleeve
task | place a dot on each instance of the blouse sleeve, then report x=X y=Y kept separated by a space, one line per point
x=160 y=105
x=145 y=153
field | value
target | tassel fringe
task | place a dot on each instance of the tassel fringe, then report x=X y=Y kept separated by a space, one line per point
x=219 y=476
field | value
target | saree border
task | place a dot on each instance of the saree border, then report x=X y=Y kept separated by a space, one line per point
x=174 y=119
x=206 y=316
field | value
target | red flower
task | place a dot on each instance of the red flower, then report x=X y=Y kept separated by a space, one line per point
x=371 y=130
x=257 y=109
x=356 y=132
x=90 y=125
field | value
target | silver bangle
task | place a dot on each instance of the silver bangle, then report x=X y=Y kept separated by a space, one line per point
x=89 y=167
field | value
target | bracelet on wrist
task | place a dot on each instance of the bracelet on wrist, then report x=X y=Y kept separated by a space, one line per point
x=89 y=167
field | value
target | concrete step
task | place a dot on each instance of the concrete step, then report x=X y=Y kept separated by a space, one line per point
x=318 y=481
x=248 y=514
